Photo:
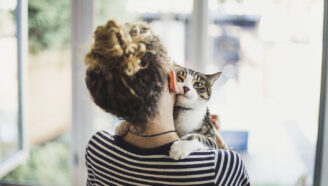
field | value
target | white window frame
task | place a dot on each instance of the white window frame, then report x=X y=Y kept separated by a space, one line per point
x=199 y=36
x=22 y=56
x=82 y=113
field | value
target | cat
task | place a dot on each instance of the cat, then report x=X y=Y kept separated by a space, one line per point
x=191 y=114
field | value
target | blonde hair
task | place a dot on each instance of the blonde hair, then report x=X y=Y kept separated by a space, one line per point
x=119 y=47
x=127 y=68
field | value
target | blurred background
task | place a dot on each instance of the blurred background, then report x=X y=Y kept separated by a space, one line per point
x=270 y=53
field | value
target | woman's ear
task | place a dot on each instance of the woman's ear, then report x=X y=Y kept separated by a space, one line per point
x=172 y=82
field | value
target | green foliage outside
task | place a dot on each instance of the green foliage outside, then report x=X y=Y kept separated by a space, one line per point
x=48 y=24
x=47 y=164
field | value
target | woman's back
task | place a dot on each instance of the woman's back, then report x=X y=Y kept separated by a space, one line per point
x=112 y=161
x=130 y=75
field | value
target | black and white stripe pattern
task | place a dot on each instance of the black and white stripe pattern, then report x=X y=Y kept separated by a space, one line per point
x=111 y=161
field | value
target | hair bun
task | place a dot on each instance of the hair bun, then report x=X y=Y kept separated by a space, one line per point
x=117 y=47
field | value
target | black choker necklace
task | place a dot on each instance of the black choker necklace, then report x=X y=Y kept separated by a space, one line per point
x=152 y=135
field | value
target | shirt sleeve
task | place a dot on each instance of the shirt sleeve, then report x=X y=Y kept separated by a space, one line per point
x=230 y=169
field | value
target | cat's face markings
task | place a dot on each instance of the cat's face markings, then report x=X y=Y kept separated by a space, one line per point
x=185 y=84
x=201 y=86
x=195 y=86
x=181 y=75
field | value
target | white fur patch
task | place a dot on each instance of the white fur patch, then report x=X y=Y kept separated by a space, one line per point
x=189 y=120
x=182 y=148
x=189 y=98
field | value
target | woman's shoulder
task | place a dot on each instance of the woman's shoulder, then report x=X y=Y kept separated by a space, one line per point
x=103 y=134
x=226 y=158
x=230 y=168
x=99 y=140
x=228 y=155
x=220 y=154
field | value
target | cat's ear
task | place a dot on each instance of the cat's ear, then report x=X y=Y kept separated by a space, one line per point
x=175 y=65
x=213 y=77
x=172 y=82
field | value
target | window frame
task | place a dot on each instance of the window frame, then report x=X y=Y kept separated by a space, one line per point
x=82 y=114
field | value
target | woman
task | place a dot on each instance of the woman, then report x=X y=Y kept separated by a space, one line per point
x=130 y=75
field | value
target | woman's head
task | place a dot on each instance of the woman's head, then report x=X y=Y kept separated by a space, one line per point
x=127 y=70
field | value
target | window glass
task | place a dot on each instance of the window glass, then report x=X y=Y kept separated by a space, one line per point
x=268 y=95
x=9 y=130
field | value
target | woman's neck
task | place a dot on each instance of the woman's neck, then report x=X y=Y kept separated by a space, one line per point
x=162 y=122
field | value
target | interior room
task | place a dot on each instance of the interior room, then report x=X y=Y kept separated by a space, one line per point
x=270 y=98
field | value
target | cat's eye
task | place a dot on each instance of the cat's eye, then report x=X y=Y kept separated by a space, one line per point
x=198 y=84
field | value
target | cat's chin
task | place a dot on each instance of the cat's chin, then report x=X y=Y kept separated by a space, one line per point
x=184 y=99
x=185 y=102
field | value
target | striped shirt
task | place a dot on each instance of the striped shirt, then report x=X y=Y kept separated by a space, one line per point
x=112 y=161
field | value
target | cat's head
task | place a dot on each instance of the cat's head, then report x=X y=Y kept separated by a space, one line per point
x=195 y=87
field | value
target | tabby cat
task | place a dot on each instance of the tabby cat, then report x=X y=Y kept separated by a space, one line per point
x=191 y=114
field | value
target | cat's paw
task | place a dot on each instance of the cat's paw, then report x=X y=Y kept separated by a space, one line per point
x=182 y=148
x=122 y=128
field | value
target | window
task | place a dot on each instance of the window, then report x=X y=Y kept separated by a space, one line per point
x=48 y=91
x=12 y=40
x=270 y=55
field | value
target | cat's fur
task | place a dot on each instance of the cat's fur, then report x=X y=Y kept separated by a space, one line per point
x=191 y=114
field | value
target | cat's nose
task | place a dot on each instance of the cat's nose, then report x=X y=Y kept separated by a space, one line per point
x=185 y=89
